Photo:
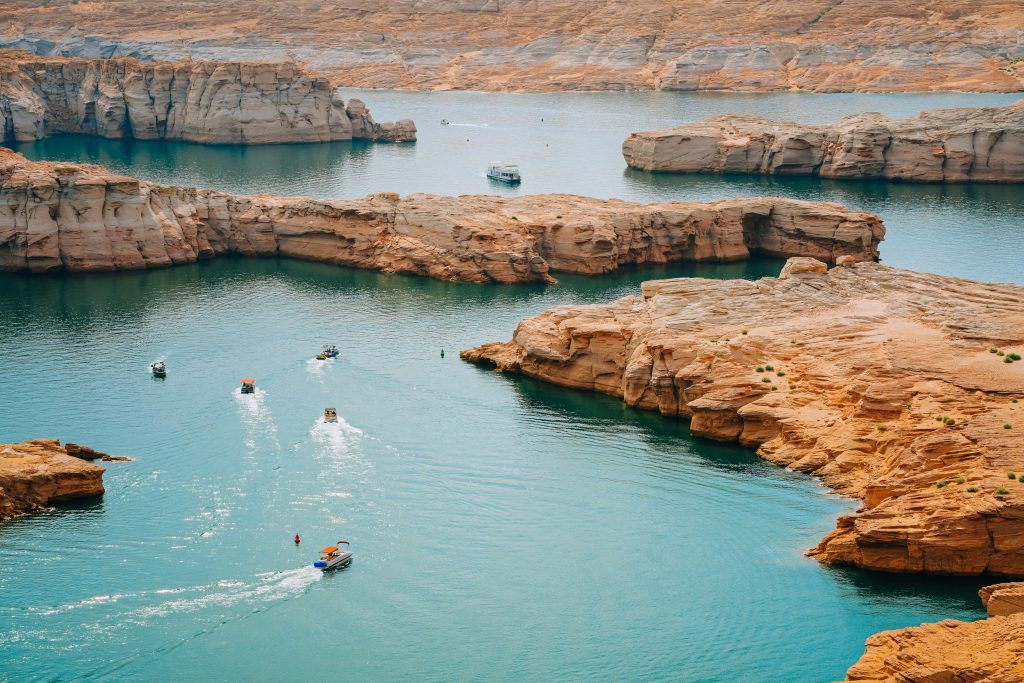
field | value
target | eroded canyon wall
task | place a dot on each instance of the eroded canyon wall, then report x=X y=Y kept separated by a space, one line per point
x=209 y=102
x=57 y=216
x=820 y=45
x=950 y=145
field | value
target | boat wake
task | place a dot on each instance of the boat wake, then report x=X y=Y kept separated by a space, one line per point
x=317 y=367
x=469 y=125
x=337 y=437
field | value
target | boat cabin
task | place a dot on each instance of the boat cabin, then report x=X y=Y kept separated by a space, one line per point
x=508 y=173
x=248 y=385
x=330 y=415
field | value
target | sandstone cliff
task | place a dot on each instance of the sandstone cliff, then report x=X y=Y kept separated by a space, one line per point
x=990 y=650
x=896 y=387
x=952 y=145
x=57 y=216
x=36 y=473
x=232 y=102
x=824 y=45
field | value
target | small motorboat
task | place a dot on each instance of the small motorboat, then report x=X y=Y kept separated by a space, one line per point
x=158 y=368
x=444 y=122
x=248 y=385
x=332 y=556
x=330 y=351
x=330 y=415
x=506 y=173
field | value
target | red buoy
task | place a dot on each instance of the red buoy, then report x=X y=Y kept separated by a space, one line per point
x=297 y=540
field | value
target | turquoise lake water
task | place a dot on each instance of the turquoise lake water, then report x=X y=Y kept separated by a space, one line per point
x=503 y=529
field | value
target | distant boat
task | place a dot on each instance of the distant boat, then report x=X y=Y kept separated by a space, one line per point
x=444 y=122
x=248 y=385
x=159 y=369
x=506 y=173
x=330 y=415
x=332 y=556
x=330 y=351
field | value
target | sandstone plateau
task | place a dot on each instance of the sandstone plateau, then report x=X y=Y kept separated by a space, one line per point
x=37 y=473
x=211 y=102
x=895 y=387
x=989 y=651
x=57 y=216
x=951 y=145
x=823 y=45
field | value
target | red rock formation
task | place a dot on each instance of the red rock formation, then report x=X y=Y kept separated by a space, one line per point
x=951 y=145
x=56 y=216
x=37 y=473
x=212 y=102
x=990 y=650
x=878 y=380
x=824 y=45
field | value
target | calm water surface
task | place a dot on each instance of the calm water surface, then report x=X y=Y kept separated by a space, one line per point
x=576 y=149
x=503 y=529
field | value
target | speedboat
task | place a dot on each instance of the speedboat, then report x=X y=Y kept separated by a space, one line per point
x=332 y=556
x=159 y=369
x=330 y=415
x=330 y=351
x=248 y=385
x=444 y=122
x=506 y=173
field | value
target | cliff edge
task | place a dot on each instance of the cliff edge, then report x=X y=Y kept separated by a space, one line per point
x=36 y=473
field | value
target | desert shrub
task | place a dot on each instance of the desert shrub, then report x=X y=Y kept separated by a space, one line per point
x=960 y=480
x=1001 y=491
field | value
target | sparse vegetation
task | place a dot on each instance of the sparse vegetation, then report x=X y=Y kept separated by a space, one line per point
x=1007 y=360
x=774 y=388
x=960 y=480
x=882 y=428
x=941 y=484
x=1001 y=492
x=766 y=379
x=1011 y=475
x=780 y=373
x=971 y=489
x=759 y=369
x=993 y=350
x=949 y=421
x=1000 y=353
x=1007 y=426
x=768 y=368
x=1013 y=356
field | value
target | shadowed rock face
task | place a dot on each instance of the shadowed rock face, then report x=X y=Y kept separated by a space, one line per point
x=71 y=217
x=232 y=102
x=824 y=45
x=878 y=380
x=951 y=145
x=989 y=650
x=39 y=472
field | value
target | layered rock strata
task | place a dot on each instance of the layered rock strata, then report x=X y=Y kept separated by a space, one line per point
x=210 y=102
x=951 y=145
x=823 y=45
x=990 y=650
x=37 y=473
x=70 y=217
x=895 y=387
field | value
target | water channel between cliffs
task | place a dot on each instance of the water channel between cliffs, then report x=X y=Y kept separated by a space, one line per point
x=504 y=529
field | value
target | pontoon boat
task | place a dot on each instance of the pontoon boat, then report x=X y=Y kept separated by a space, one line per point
x=332 y=556
x=330 y=415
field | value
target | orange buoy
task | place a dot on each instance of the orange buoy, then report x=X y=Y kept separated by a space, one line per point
x=297 y=539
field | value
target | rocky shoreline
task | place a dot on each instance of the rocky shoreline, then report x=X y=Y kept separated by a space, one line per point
x=945 y=145
x=895 y=387
x=556 y=45
x=71 y=217
x=206 y=102
x=987 y=650
x=36 y=473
